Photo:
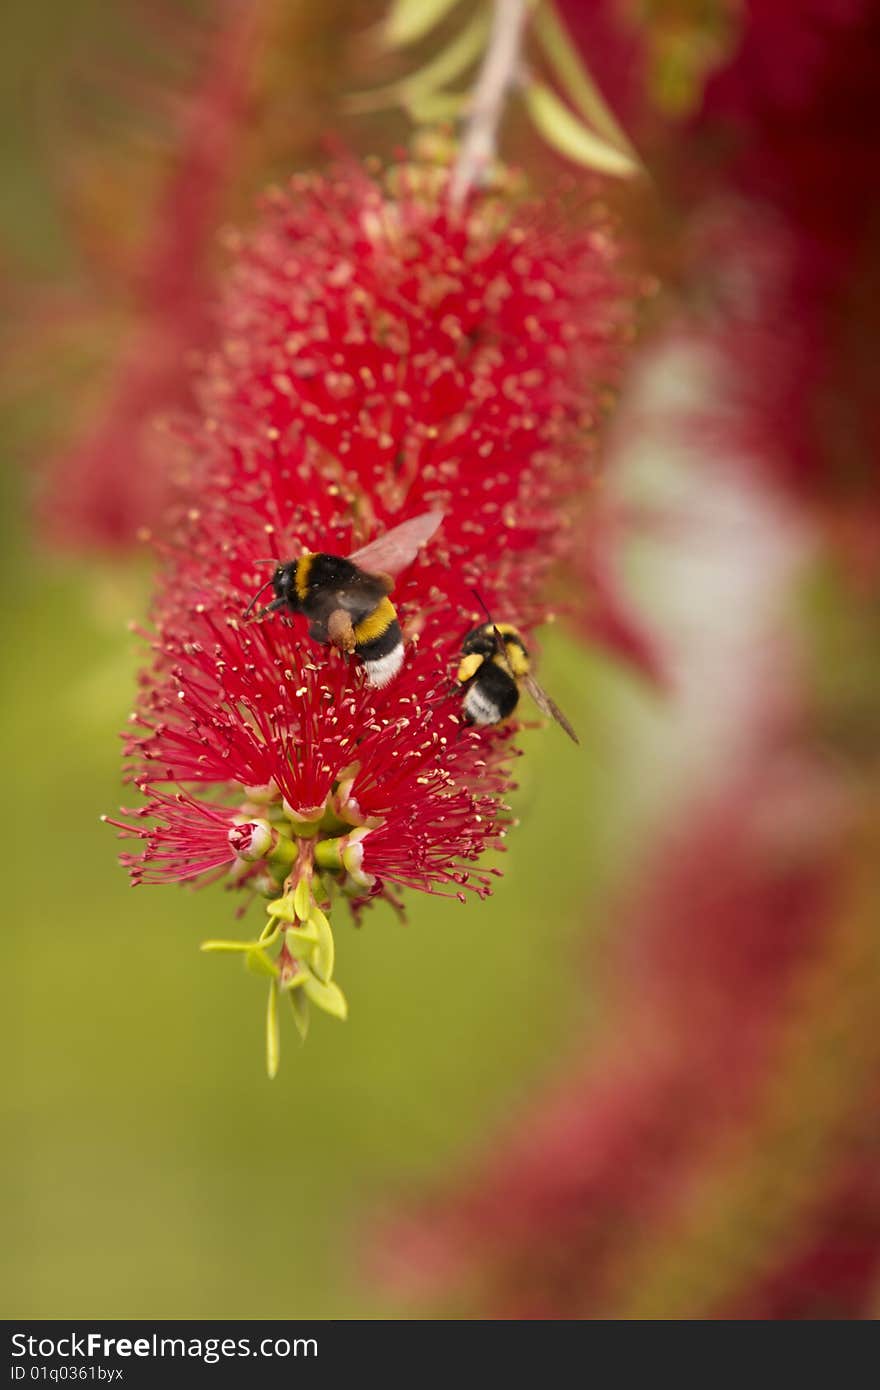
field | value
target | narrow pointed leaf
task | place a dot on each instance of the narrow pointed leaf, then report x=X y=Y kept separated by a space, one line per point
x=273 y=1035
x=282 y=908
x=455 y=58
x=260 y=964
x=269 y=932
x=231 y=945
x=567 y=134
x=328 y=997
x=322 y=890
x=323 y=956
x=434 y=107
x=575 y=77
x=417 y=87
x=300 y=1006
x=411 y=19
x=302 y=898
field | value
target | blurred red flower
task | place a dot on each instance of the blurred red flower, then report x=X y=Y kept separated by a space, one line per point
x=111 y=481
x=707 y=1159
x=767 y=175
x=212 y=103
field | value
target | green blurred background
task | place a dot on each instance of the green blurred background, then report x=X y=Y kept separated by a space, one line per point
x=149 y=1167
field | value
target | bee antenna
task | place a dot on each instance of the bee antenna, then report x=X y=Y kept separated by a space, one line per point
x=249 y=609
x=499 y=640
x=478 y=596
x=267 y=560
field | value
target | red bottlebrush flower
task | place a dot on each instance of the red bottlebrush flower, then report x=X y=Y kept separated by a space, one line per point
x=794 y=114
x=792 y=108
x=778 y=137
x=382 y=356
x=794 y=351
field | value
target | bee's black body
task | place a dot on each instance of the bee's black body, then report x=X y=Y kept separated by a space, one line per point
x=488 y=675
x=345 y=597
x=344 y=606
x=494 y=666
x=492 y=695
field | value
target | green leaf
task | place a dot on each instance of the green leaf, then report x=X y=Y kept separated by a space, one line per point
x=270 y=932
x=433 y=108
x=409 y=20
x=301 y=941
x=232 y=945
x=302 y=898
x=273 y=1034
x=260 y=964
x=328 y=997
x=282 y=908
x=452 y=60
x=322 y=890
x=575 y=77
x=295 y=982
x=562 y=129
x=418 y=87
x=300 y=1006
x=324 y=954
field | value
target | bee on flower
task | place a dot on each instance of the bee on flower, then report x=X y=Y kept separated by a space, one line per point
x=345 y=598
x=387 y=362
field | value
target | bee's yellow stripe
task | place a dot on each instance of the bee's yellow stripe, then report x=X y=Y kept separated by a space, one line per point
x=301 y=577
x=375 y=623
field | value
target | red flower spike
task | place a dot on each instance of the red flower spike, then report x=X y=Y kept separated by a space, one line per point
x=768 y=174
x=382 y=356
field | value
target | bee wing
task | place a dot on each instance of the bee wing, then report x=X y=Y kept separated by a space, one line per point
x=359 y=598
x=395 y=550
x=548 y=706
x=362 y=592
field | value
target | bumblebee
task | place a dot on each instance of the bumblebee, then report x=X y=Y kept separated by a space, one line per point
x=345 y=598
x=494 y=667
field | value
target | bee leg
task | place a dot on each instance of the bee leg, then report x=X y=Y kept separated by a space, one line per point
x=446 y=689
x=465 y=726
x=341 y=631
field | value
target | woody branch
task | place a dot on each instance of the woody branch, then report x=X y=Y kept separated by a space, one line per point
x=497 y=75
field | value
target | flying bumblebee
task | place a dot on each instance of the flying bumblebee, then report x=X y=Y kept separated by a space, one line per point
x=345 y=598
x=494 y=667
